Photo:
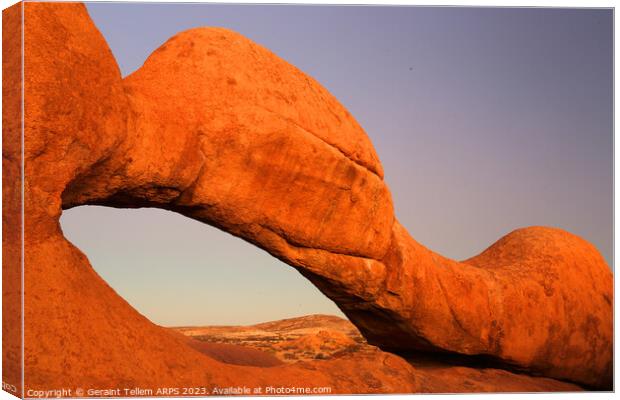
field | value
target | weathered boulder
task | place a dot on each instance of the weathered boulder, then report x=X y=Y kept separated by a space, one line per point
x=219 y=129
x=539 y=299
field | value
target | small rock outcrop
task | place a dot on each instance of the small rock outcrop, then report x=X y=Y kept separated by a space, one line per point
x=218 y=128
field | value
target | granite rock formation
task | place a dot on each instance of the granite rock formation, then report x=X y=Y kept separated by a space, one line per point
x=219 y=129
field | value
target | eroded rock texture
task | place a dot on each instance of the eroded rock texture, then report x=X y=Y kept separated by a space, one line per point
x=220 y=129
x=11 y=201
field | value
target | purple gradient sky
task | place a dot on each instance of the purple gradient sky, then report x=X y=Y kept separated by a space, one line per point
x=485 y=120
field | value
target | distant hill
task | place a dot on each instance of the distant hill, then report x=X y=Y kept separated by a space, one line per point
x=288 y=340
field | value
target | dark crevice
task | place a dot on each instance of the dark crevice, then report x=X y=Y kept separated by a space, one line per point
x=440 y=359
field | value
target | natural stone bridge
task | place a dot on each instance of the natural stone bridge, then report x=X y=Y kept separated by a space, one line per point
x=219 y=129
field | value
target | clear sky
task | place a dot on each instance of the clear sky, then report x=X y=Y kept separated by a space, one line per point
x=485 y=120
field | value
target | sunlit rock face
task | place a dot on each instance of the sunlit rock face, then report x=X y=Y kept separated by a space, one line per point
x=220 y=129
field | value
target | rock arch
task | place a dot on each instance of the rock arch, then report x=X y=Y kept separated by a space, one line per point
x=220 y=129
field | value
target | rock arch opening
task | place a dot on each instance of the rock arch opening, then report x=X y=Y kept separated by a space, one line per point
x=180 y=272
x=232 y=300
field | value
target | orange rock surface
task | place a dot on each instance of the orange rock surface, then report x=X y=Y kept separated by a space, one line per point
x=11 y=201
x=220 y=129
